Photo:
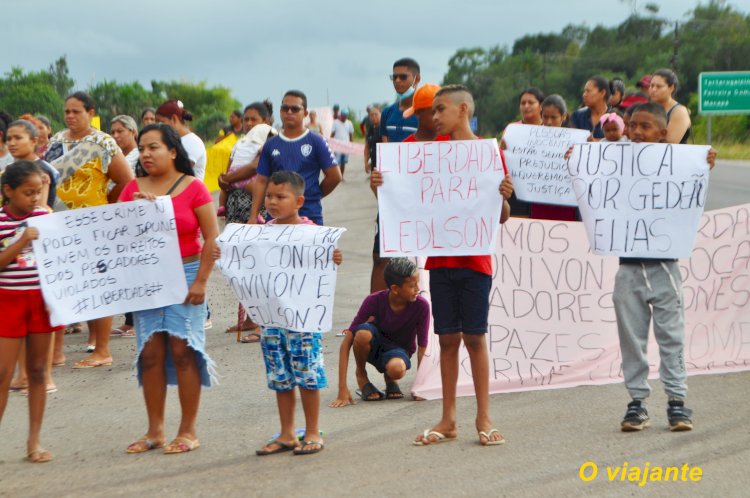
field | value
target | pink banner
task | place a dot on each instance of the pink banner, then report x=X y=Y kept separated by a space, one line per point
x=346 y=147
x=552 y=322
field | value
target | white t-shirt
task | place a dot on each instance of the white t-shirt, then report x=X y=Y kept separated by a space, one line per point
x=132 y=158
x=342 y=130
x=6 y=160
x=196 y=152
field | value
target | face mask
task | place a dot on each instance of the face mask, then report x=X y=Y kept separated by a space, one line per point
x=408 y=93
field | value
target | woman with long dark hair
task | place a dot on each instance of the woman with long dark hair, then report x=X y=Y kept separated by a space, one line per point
x=171 y=340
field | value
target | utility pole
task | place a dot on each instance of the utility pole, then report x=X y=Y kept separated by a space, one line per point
x=675 y=46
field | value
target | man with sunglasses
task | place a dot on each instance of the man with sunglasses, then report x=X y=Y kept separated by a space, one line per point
x=297 y=149
x=394 y=127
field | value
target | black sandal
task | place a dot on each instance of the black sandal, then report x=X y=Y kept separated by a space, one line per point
x=392 y=391
x=368 y=390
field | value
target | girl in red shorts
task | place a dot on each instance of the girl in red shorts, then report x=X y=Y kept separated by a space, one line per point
x=23 y=310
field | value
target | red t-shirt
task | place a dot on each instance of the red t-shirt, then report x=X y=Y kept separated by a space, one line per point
x=439 y=138
x=552 y=212
x=194 y=196
x=481 y=264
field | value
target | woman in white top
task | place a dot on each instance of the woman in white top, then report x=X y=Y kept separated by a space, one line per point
x=172 y=112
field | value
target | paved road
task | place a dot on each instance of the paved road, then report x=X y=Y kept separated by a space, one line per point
x=550 y=434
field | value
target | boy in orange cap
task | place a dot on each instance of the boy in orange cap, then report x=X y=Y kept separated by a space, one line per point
x=421 y=106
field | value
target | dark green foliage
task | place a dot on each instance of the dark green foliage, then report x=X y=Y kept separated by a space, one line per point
x=713 y=37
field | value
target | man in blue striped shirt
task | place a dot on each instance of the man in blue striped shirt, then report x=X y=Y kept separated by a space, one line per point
x=297 y=149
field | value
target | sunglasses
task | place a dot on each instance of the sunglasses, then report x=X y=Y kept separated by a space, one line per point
x=399 y=76
x=291 y=108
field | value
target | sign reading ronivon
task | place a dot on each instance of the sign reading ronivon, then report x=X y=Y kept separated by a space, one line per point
x=439 y=198
x=105 y=260
x=641 y=200
x=724 y=93
x=283 y=275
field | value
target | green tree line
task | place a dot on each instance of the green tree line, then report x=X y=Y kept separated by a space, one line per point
x=44 y=92
x=715 y=37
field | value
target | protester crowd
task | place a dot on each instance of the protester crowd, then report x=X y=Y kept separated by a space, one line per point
x=279 y=175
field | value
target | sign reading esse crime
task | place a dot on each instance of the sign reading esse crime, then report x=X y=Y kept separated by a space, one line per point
x=111 y=259
x=439 y=198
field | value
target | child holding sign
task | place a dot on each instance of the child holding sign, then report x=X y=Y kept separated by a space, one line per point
x=25 y=317
x=460 y=290
x=293 y=358
x=644 y=288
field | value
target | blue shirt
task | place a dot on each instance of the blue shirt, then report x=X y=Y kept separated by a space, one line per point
x=307 y=155
x=581 y=119
x=394 y=126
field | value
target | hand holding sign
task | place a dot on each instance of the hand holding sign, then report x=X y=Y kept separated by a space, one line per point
x=640 y=199
x=438 y=198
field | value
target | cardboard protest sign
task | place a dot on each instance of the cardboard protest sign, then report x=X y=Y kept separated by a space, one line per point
x=640 y=200
x=552 y=322
x=105 y=260
x=536 y=162
x=283 y=275
x=439 y=198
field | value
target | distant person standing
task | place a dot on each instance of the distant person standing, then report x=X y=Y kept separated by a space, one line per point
x=664 y=84
x=173 y=112
x=372 y=138
x=343 y=130
x=148 y=116
x=313 y=124
x=596 y=102
x=640 y=96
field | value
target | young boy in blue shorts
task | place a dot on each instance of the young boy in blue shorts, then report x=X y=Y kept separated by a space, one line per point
x=460 y=290
x=389 y=326
x=646 y=288
x=293 y=358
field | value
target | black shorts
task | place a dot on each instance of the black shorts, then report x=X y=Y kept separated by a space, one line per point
x=460 y=300
x=381 y=352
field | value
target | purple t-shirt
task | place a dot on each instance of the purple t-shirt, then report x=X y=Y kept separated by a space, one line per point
x=404 y=329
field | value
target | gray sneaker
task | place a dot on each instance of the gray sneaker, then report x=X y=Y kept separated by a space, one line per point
x=679 y=416
x=636 y=417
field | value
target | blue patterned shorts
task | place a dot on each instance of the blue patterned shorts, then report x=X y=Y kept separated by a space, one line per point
x=293 y=359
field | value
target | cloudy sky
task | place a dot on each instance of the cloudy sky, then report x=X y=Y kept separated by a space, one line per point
x=335 y=51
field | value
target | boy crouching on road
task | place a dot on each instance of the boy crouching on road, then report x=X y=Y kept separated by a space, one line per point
x=385 y=333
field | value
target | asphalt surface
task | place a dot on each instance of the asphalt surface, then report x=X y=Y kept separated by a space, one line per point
x=551 y=434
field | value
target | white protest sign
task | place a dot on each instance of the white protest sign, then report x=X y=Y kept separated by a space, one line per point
x=640 y=200
x=439 y=198
x=105 y=260
x=283 y=275
x=536 y=162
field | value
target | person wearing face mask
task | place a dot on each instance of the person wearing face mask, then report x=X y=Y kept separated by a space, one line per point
x=394 y=127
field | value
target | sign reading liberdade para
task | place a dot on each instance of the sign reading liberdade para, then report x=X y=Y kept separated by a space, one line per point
x=101 y=261
x=283 y=275
x=439 y=198
x=640 y=199
x=536 y=162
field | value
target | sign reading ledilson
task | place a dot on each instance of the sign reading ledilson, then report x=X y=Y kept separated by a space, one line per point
x=536 y=162
x=640 y=199
x=552 y=323
x=724 y=92
x=439 y=198
x=105 y=260
x=283 y=275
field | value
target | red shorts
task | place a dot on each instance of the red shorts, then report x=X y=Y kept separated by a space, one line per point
x=23 y=312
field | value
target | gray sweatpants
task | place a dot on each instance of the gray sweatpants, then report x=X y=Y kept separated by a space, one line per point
x=642 y=290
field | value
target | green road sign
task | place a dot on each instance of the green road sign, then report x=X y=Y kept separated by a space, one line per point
x=724 y=93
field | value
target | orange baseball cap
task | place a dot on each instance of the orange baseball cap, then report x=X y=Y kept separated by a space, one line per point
x=423 y=98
